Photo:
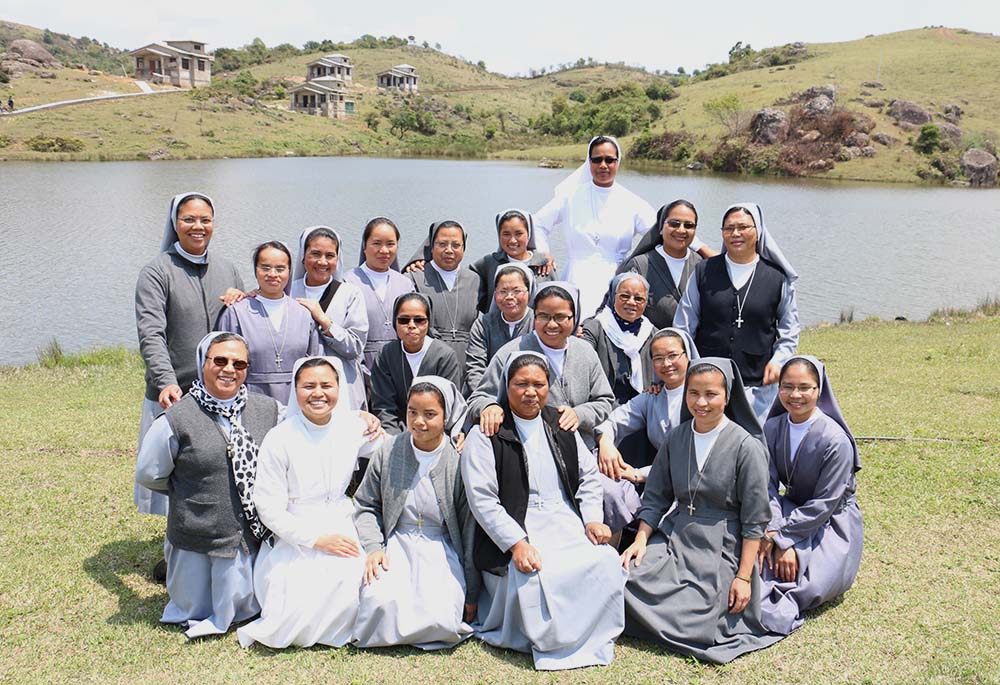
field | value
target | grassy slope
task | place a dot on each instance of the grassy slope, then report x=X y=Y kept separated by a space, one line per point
x=76 y=604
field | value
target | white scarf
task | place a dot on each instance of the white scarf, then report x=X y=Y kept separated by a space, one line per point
x=629 y=343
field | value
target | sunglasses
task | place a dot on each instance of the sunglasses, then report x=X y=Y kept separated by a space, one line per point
x=223 y=362
x=607 y=160
x=677 y=223
x=405 y=320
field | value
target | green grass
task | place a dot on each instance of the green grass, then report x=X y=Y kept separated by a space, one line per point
x=76 y=603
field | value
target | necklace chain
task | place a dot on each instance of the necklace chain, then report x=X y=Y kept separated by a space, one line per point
x=270 y=331
x=746 y=294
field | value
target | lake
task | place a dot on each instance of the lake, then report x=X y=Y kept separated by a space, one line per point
x=73 y=236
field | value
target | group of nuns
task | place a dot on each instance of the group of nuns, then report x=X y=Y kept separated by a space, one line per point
x=415 y=456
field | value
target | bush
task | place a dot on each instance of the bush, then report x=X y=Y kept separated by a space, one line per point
x=5 y=141
x=929 y=139
x=666 y=146
x=491 y=131
x=660 y=91
x=42 y=143
x=730 y=156
x=577 y=95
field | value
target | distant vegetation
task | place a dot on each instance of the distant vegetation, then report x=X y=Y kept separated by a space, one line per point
x=256 y=52
x=69 y=50
x=744 y=58
x=617 y=111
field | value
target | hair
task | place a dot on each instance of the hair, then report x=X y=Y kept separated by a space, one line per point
x=799 y=361
x=700 y=368
x=556 y=291
x=528 y=360
x=225 y=337
x=680 y=203
x=272 y=245
x=196 y=196
x=629 y=276
x=600 y=140
x=733 y=210
x=424 y=387
x=375 y=223
x=511 y=214
x=322 y=232
x=406 y=297
x=448 y=223
x=507 y=270
x=312 y=364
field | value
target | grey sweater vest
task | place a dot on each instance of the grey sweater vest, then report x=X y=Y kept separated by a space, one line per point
x=205 y=514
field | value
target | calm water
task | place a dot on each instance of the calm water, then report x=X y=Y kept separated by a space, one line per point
x=73 y=236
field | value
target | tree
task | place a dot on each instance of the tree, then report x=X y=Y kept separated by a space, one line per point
x=739 y=51
x=411 y=39
x=437 y=46
x=680 y=70
x=728 y=111
x=481 y=65
x=425 y=45
x=929 y=139
x=372 y=120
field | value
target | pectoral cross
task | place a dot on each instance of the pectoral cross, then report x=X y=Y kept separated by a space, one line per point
x=691 y=509
x=739 y=321
x=420 y=521
x=388 y=324
x=278 y=360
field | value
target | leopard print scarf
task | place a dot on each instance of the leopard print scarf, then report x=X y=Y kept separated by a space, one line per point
x=241 y=450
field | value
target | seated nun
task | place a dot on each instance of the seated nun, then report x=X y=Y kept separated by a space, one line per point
x=448 y=286
x=516 y=246
x=377 y=276
x=307 y=578
x=812 y=547
x=579 y=391
x=337 y=307
x=692 y=583
x=666 y=256
x=413 y=519
x=414 y=354
x=551 y=586
x=202 y=452
x=278 y=329
x=510 y=317
x=650 y=415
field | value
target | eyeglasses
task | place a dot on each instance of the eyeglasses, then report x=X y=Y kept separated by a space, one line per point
x=625 y=297
x=444 y=245
x=266 y=268
x=668 y=358
x=558 y=318
x=738 y=228
x=192 y=220
x=405 y=320
x=677 y=223
x=513 y=292
x=223 y=362
x=605 y=160
x=792 y=389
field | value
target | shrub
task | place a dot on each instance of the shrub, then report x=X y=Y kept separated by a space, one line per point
x=5 y=141
x=42 y=143
x=577 y=95
x=491 y=131
x=728 y=110
x=660 y=91
x=929 y=139
x=730 y=155
x=668 y=146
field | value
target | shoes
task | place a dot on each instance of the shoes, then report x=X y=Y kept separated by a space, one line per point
x=160 y=572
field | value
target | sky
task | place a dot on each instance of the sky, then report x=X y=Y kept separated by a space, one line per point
x=511 y=36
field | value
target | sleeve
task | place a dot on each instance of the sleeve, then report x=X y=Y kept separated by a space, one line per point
x=479 y=474
x=487 y=392
x=627 y=418
x=347 y=339
x=473 y=578
x=658 y=495
x=590 y=494
x=315 y=345
x=645 y=218
x=475 y=355
x=368 y=447
x=270 y=494
x=751 y=488
x=788 y=325
x=151 y=326
x=482 y=299
x=689 y=308
x=228 y=321
x=368 y=504
x=602 y=399
x=546 y=219
x=831 y=484
x=589 y=332
x=156 y=456
x=773 y=481
x=448 y=366
x=383 y=399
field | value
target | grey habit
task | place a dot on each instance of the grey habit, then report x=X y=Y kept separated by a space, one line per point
x=816 y=511
x=381 y=329
x=392 y=377
x=454 y=310
x=678 y=596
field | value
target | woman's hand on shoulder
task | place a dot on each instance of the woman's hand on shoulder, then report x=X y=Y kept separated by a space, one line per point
x=568 y=420
x=548 y=267
x=234 y=295
x=490 y=420
x=417 y=265
x=373 y=427
x=170 y=395
x=337 y=545
x=318 y=315
x=375 y=561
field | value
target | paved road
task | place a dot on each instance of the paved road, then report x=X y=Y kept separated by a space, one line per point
x=98 y=98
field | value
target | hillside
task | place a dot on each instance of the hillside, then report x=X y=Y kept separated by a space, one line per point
x=464 y=110
x=69 y=50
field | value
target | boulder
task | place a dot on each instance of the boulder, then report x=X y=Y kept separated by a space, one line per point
x=811 y=136
x=979 y=166
x=908 y=112
x=884 y=139
x=872 y=84
x=46 y=75
x=820 y=165
x=952 y=132
x=769 y=126
x=848 y=153
x=874 y=104
x=907 y=126
x=29 y=49
x=866 y=93
x=953 y=110
x=867 y=151
x=857 y=139
x=695 y=166
x=829 y=90
x=821 y=104
x=862 y=122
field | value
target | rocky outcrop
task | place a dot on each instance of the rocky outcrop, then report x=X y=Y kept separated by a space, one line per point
x=857 y=139
x=884 y=139
x=950 y=131
x=979 y=166
x=847 y=153
x=904 y=111
x=829 y=90
x=769 y=126
x=821 y=104
x=952 y=112
x=867 y=151
x=874 y=104
x=30 y=50
x=873 y=84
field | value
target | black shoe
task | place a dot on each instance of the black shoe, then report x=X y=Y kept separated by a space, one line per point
x=160 y=572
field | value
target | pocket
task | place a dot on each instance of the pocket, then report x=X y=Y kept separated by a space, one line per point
x=198 y=516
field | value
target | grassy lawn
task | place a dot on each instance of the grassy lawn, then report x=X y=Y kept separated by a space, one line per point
x=76 y=602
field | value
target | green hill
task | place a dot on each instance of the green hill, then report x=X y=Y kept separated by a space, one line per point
x=69 y=50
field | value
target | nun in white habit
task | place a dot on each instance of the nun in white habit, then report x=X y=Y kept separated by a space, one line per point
x=600 y=218
x=551 y=586
x=413 y=519
x=203 y=452
x=337 y=307
x=307 y=583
